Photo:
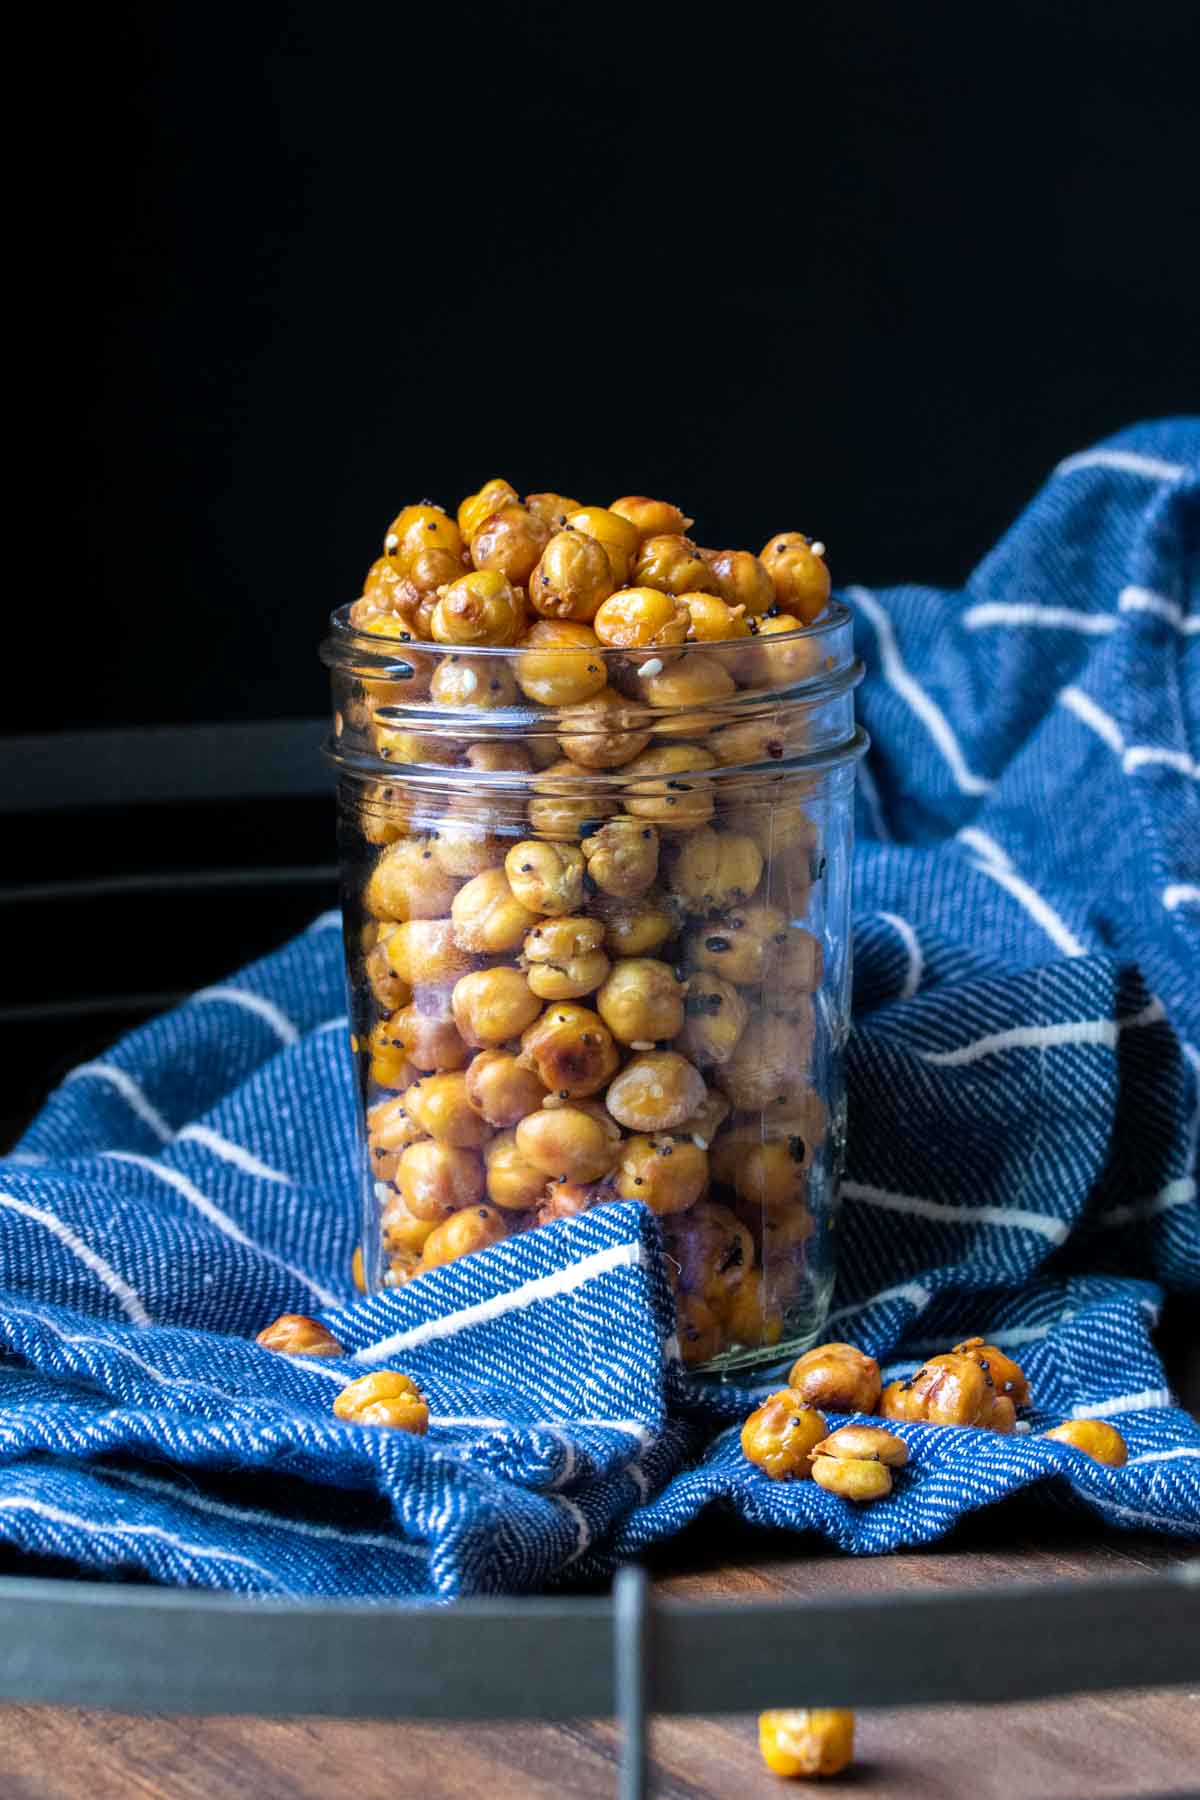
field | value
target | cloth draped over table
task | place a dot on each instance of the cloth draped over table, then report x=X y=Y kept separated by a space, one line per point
x=1024 y=1083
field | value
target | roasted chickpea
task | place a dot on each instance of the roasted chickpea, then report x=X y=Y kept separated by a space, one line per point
x=714 y=1251
x=510 y=540
x=800 y=1742
x=779 y=1436
x=703 y=1125
x=712 y=621
x=1096 y=1439
x=693 y=681
x=480 y=608
x=715 y=869
x=698 y=1329
x=673 y=564
x=563 y=958
x=493 y=1005
x=494 y=758
x=403 y=1233
x=863 y=1443
x=395 y=744
x=513 y=1182
x=619 y=537
x=742 y=946
x=402 y=1265
x=852 y=1478
x=390 y=1131
x=622 y=857
x=439 y=1105
x=768 y=1174
x=488 y=917
x=840 y=1377
x=798 y=574
x=358 y=1273
x=462 y=1234
x=558 y=810
x=435 y=1179
x=634 y=927
x=742 y=580
x=571 y=1050
x=642 y=618
x=407 y=883
x=477 y=507
x=476 y=681
x=1007 y=1376
x=390 y=1067
x=769 y=1060
x=554 y=940
x=384 y=813
x=546 y=878
x=567 y=1199
x=600 y=733
x=660 y=791
x=947 y=1390
x=500 y=1090
x=715 y=1016
x=770 y=663
x=577 y=1142
x=464 y=845
x=386 y=594
x=641 y=1002
x=386 y=985
x=572 y=577
x=651 y=518
x=426 y=1033
x=656 y=1092
x=425 y=951
x=419 y=528
x=669 y=1174
x=560 y=664
x=798 y=968
x=384 y=1397
x=553 y=509
x=295 y=1334
x=751 y=1317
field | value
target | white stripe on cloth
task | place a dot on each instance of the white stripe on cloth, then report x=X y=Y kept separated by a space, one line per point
x=1094 y=717
x=1175 y=1193
x=1055 y=618
x=262 y=1008
x=541 y=1287
x=1149 y=1400
x=1018 y=1334
x=230 y=1152
x=583 y=1531
x=327 y=920
x=120 y=1528
x=338 y=1024
x=912 y=1291
x=104 y=1272
x=912 y=947
x=129 y=1091
x=1046 y=1037
x=1140 y=599
x=1129 y=462
x=1127 y=1512
x=276 y=1521
x=24 y=1159
x=910 y=691
x=1039 y=910
x=1154 y=1456
x=1178 y=893
x=994 y=854
x=1154 y=756
x=947 y=1212
x=215 y=1216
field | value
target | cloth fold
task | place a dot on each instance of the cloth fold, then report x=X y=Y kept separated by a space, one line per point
x=1024 y=1085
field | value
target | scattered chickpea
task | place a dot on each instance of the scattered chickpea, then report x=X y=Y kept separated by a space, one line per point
x=948 y=1390
x=571 y=1049
x=1102 y=1442
x=641 y=1002
x=799 y=576
x=800 y=1742
x=547 y=878
x=651 y=518
x=668 y=1173
x=561 y=663
x=427 y=951
x=656 y=1091
x=854 y=1478
x=715 y=869
x=1007 y=1376
x=510 y=540
x=780 y=1435
x=500 y=1090
x=619 y=536
x=641 y=618
x=472 y=1228
x=477 y=507
x=622 y=856
x=572 y=578
x=295 y=1334
x=513 y=1182
x=840 y=1377
x=491 y=1006
x=578 y=1141
x=408 y=883
x=384 y=1397
x=672 y=563
x=865 y=1443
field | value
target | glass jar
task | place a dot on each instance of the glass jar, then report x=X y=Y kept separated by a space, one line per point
x=597 y=923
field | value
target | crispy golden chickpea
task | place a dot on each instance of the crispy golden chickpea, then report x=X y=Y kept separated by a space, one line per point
x=642 y=618
x=477 y=507
x=783 y=1236
x=799 y=1742
x=698 y=1328
x=798 y=967
x=546 y=878
x=673 y=564
x=358 y=1273
x=418 y=528
x=480 y=608
x=651 y=518
x=577 y=1142
x=493 y=1005
x=768 y=1060
x=295 y=1334
x=563 y=958
x=620 y=537
x=714 y=1251
x=488 y=917
x=386 y=985
x=947 y=1390
x=402 y=1265
x=462 y=1234
x=840 y=1377
x=513 y=1182
x=622 y=857
x=390 y=1067
x=634 y=927
x=553 y=509
x=743 y=946
x=439 y=1105
x=771 y=664
x=751 y=1317
x=742 y=580
x=384 y=813
x=1006 y=1376
x=715 y=1016
x=500 y=1090
x=464 y=846
x=475 y=681
x=693 y=681
x=407 y=883
x=571 y=1049
x=384 y=1397
x=656 y=1092
x=403 y=1233
x=780 y=1434
x=560 y=664
x=572 y=577
x=703 y=1125
x=435 y=1179
x=715 y=869
x=864 y=1443
x=425 y=951
x=660 y=791
x=557 y=940
x=558 y=810
x=852 y=1478
x=1102 y=1442
x=390 y=1131
x=770 y=1175
x=668 y=1173
x=494 y=758
x=712 y=621
x=798 y=575
x=426 y=1033
x=510 y=540
x=395 y=744
x=567 y=1199
x=384 y=591
x=601 y=733
x=641 y=1002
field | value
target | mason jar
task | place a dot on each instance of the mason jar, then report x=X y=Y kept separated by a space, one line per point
x=597 y=912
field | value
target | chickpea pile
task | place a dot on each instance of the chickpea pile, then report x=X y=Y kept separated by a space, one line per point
x=581 y=977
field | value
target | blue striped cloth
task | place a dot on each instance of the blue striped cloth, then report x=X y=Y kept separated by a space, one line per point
x=1024 y=1077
